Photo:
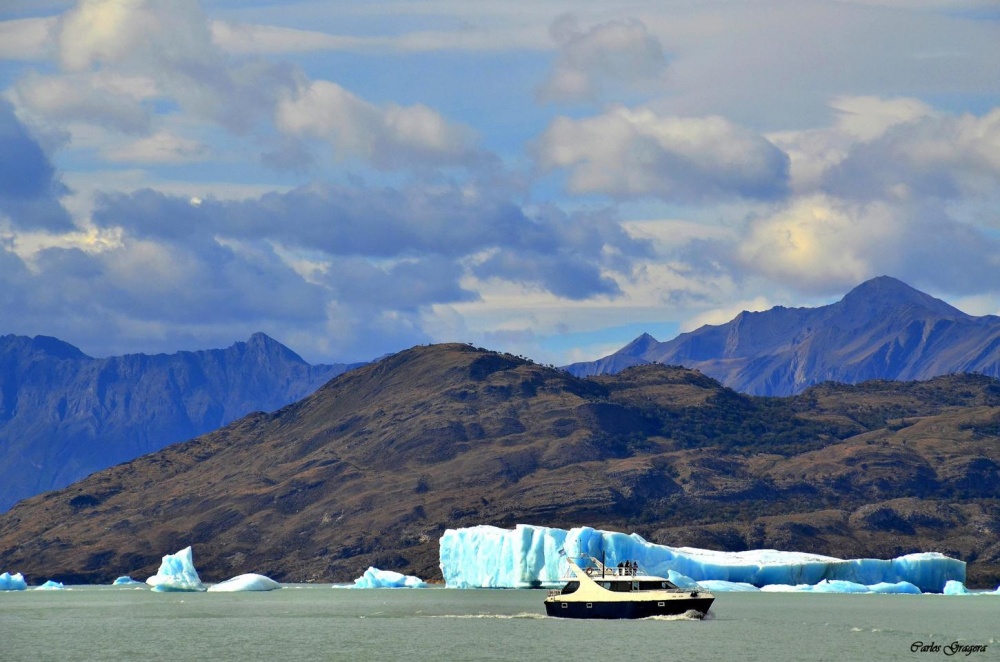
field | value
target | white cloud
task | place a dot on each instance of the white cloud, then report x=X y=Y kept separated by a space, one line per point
x=96 y=98
x=817 y=241
x=725 y=313
x=857 y=120
x=133 y=33
x=250 y=39
x=119 y=58
x=868 y=118
x=27 y=39
x=616 y=55
x=823 y=244
x=387 y=137
x=626 y=153
x=247 y=39
x=161 y=147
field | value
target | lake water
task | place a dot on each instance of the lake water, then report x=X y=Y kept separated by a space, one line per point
x=323 y=623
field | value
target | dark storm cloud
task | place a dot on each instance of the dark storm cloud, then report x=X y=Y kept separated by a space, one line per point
x=360 y=264
x=448 y=221
x=29 y=187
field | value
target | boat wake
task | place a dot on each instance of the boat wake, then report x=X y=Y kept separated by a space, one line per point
x=528 y=615
x=689 y=615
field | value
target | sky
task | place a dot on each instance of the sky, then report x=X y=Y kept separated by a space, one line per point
x=548 y=178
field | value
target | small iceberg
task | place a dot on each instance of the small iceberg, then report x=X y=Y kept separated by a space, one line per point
x=15 y=582
x=841 y=586
x=955 y=588
x=375 y=578
x=899 y=587
x=247 y=582
x=177 y=573
x=958 y=588
x=125 y=580
x=51 y=585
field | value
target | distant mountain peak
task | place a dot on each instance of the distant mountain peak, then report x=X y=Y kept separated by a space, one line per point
x=884 y=292
x=881 y=329
x=56 y=348
x=261 y=343
x=641 y=344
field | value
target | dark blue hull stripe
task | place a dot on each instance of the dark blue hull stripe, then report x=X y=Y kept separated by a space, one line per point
x=636 y=609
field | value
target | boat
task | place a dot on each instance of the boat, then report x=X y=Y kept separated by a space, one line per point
x=596 y=591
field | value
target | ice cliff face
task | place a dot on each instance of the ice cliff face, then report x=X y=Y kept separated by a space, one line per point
x=529 y=556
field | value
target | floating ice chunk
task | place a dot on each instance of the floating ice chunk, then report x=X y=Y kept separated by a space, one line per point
x=177 y=573
x=15 y=582
x=955 y=588
x=529 y=556
x=786 y=588
x=125 y=580
x=722 y=586
x=375 y=578
x=247 y=582
x=839 y=586
x=897 y=587
x=51 y=585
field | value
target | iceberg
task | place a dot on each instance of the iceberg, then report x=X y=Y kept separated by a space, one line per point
x=897 y=587
x=177 y=573
x=534 y=556
x=15 y=582
x=955 y=588
x=375 y=578
x=825 y=586
x=125 y=580
x=247 y=582
x=51 y=585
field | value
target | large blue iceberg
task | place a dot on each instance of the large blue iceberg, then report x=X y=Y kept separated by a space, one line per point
x=248 y=582
x=177 y=573
x=15 y=582
x=534 y=556
x=375 y=578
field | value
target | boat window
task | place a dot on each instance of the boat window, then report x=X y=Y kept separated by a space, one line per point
x=570 y=587
x=656 y=586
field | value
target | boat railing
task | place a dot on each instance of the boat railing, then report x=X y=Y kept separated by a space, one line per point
x=598 y=569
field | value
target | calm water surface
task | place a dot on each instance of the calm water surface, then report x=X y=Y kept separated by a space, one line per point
x=323 y=623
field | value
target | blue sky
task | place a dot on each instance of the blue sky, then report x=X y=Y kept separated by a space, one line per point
x=547 y=178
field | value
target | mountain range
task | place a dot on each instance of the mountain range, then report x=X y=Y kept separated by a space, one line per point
x=882 y=329
x=372 y=467
x=64 y=415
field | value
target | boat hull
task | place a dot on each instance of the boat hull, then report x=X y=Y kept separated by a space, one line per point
x=626 y=609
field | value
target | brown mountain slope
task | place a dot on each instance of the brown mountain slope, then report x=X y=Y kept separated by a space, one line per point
x=375 y=465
